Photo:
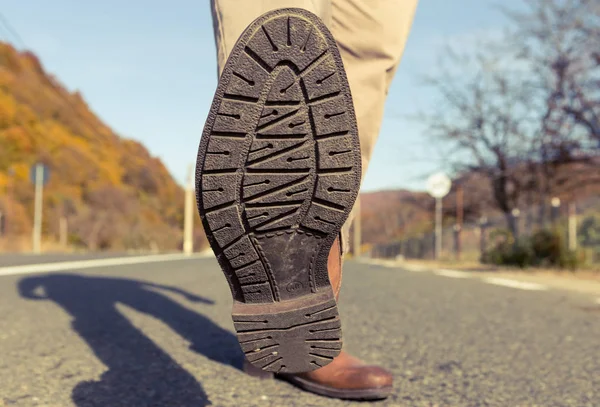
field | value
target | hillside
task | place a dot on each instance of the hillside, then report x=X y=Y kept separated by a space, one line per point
x=112 y=192
x=394 y=215
x=391 y=215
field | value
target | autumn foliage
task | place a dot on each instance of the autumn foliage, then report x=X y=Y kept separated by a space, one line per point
x=113 y=193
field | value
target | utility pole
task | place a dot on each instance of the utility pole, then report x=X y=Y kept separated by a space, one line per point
x=483 y=224
x=555 y=211
x=459 y=219
x=572 y=227
x=37 y=218
x=8 y=216
x=515 y=214
x=63 y=229
x=188 y=221
x=357 y=228
x=438 y=228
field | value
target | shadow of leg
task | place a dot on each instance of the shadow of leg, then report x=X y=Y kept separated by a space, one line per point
x=206 y=337
x=139 y=372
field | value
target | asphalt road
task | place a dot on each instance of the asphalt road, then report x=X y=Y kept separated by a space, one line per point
x=159 y=334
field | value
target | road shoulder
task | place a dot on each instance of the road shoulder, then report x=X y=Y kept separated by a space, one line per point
x=583 y=282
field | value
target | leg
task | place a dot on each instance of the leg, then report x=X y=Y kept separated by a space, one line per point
x=371 y=57
x=231 y=17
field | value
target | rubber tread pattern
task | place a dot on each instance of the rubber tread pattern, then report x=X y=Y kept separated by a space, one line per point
x=278 y=171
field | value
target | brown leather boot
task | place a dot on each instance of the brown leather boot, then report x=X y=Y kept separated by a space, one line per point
x=346 y=377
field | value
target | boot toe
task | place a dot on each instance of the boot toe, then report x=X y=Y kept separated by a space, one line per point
x=373 y=377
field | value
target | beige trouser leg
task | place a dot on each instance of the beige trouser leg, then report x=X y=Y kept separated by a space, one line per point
x=231 y=17
x=371 y=35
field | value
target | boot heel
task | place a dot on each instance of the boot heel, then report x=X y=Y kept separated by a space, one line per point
x=290 y=337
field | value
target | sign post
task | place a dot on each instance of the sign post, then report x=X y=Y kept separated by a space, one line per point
x=39 y=175
x=572 y=225
x=438 y=186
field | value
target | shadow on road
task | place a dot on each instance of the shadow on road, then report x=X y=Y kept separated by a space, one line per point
x=139 y=372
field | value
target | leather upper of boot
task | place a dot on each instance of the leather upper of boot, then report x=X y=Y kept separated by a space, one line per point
x=348 y=372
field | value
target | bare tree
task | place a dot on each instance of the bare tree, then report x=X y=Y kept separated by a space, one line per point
x=560 y=42
x=485 y=119
x=524 y=112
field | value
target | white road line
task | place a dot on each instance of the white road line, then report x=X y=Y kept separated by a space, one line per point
x=452 y=273
x=515 y=284
x=378 y=262
x=82 y=264
x=391 y=264
x=413 y=268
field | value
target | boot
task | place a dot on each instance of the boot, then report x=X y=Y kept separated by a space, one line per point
x=278 y=172
x=346 y=377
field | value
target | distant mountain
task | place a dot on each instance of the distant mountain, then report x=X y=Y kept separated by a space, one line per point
x=393 y=215
x=112 y=192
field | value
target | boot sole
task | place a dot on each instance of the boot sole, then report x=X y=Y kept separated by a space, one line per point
x=277 y=174
x=379 y=393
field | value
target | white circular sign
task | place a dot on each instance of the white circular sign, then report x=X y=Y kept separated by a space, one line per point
x=438 y=185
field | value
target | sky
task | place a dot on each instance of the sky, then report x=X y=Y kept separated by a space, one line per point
x=148 y=69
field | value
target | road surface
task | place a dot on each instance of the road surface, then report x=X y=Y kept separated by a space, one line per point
x=160 y=334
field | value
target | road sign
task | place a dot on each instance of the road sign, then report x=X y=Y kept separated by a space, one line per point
x=438 y=185
x=44 y=172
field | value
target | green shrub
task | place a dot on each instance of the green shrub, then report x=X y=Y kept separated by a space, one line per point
x=589 y=231
x=545 y=248
x=520 y=254
x=589 y=237
x=504 y=252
